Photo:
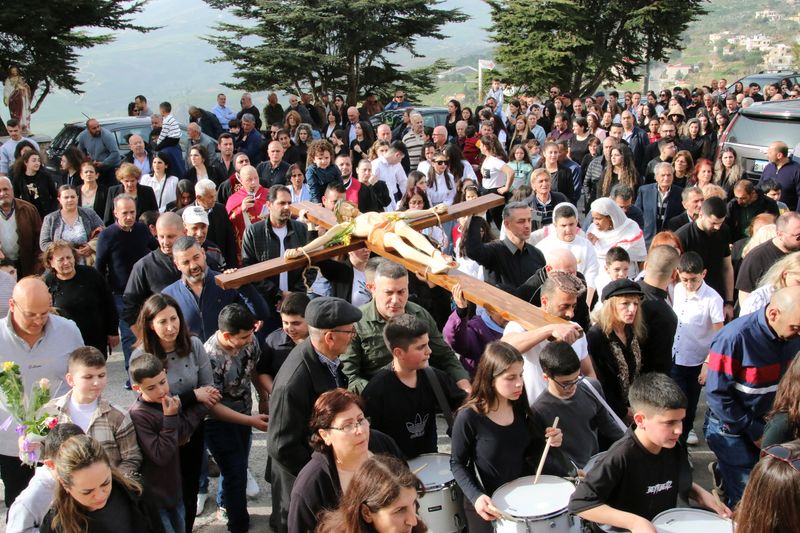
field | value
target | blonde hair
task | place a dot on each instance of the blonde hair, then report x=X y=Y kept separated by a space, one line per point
x=606 y=317
x=711 y=189
x=763 y=234
x=128 y=170
x=774 y=276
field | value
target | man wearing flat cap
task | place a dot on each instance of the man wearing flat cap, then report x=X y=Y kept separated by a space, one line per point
x=312 y=367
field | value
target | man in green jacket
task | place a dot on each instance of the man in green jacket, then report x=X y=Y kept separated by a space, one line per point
x=368 y=353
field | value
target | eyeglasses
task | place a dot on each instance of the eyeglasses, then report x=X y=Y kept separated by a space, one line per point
x=784 y=454
x=350 y=332
x=352 y=426
x=441 y=162
x=399 y=97
x=569 y=384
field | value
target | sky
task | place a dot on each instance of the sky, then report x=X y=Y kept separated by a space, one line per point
x=171 y=63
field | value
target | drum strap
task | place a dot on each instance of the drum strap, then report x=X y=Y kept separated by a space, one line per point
x=607 y=407
x=439 y=393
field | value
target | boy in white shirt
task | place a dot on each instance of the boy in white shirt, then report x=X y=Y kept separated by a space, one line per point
x=700 y=316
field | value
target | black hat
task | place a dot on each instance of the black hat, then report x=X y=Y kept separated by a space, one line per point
x=599 y=93
x=621 y=287
x=328 y=312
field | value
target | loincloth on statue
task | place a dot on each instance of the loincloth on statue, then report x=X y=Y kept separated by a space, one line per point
x=379 y=231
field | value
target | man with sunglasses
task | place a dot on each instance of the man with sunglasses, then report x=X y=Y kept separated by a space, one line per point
x=398 y=102
x=746 y=361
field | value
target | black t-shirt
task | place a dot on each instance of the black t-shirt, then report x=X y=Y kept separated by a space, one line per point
x=755 y=264
x=712 y=247
x=405 y=414
x=631 y=479
x=115 y=516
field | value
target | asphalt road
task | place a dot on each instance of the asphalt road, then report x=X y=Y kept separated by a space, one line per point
x=260 y=507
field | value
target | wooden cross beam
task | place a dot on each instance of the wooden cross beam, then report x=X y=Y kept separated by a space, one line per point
x=488 y=296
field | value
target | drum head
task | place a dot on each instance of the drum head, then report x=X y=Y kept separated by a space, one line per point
x=522 y=499
x=435 y=469
x=691 y=521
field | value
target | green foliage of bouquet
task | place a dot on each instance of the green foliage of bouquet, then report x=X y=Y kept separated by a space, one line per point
x=33 y=422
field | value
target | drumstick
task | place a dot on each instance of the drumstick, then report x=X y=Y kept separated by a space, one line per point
x=544 y=454
x=420 y=469
x=499 y=513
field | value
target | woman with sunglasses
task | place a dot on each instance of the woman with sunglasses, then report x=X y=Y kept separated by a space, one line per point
x=769 y=503
x=342 y=441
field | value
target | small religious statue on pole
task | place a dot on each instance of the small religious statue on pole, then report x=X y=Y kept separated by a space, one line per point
x=17 y=96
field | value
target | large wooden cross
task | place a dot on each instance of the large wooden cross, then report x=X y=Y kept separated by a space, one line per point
x=488 y=296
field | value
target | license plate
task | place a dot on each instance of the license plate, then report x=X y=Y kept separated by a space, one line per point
x=759 y=164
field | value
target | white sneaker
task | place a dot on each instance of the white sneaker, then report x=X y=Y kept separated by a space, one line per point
x=252 y=489
x=691 y=438
x=201 y=503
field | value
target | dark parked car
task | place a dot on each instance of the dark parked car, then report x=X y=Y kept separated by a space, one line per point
x=122 y=128
x=754 y=128
x=767 y=77
x=432 y=116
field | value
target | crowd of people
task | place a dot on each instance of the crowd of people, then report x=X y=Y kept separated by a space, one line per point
x=673 y=276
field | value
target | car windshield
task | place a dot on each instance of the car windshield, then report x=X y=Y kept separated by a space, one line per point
x=65 y=137
x=761 y=132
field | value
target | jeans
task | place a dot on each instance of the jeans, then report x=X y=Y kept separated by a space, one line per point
x=173 y=520
x=127 y=338
x=229 y=444
x=686 y=378
x=736 y=457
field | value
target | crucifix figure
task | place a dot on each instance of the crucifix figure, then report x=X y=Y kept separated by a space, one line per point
x=345 y=240
x=387 y=230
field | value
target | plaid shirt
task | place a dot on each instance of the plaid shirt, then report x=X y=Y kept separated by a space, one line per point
x=113 y=429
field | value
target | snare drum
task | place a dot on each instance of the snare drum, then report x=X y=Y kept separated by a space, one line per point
x=441 y=506
x=536 y=508
x=691 y=521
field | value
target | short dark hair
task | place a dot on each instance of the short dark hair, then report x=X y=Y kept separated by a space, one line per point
x=715 y=207
x=654 y=392
x=148 y=218
x=691 y=263
x=275 y=189
x=295 y=304
x=664 y=142
x=337 y=186
x=559 y=359
x=617 y=253
x=57 y=436
x=400 y=331
x=87 y=356
x=224 y=135
x=621 y=190
x=184 y=243
x=391 y=270
x=769 y=185
x=146 y=366
x=166 y=106
x=564 y=211
x=235 y=318
x=12 y=123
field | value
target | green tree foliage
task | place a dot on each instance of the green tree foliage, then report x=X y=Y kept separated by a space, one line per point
x=333 y=47
x=43 y=38
x=581 y=44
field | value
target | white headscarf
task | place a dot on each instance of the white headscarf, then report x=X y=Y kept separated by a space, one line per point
x=626 y=233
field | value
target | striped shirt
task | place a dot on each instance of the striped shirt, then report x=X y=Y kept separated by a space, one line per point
x=746 y=362
x=169 y=129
